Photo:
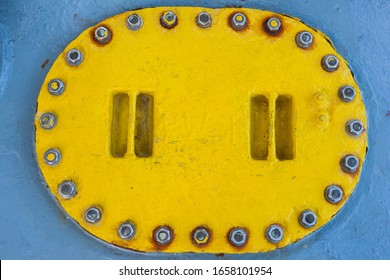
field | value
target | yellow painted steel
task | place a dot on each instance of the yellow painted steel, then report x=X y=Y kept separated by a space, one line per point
x=201 y=84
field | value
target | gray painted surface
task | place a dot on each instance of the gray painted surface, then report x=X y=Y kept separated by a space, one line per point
x=31 y=32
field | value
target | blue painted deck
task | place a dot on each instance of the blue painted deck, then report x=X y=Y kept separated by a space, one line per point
x=33 y=32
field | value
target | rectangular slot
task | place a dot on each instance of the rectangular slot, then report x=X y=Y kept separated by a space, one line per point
x=259 y=122
x=119 y=125
x=143 y=135
x=284 y=128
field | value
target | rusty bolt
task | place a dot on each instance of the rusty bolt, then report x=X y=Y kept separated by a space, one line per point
x=304 y=39
x=52 y=157
x=93 y=215
x=238 y=21
x=56 y=87
x=330 y=63
x=163 y=235
x=203 y=20
x=349 y=163
x=102 y=35
x=333 y=194
x=273 y=24
x=238 y=237
x=308 y=219
x=168 y=19
x=274 y=233
x=67 y=189
x=347 y=93
x=126 y=231
x=48 y=121
x=74 y=57
x=201 y=236
x=134 y=22
x=354 y=127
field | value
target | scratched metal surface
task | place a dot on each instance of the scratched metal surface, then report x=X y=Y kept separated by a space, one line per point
x=34 y=33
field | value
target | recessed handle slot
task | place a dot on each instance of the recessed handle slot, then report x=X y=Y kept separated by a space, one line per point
x=284 y=140
x=259 y=130
x=143 y=134
x=119 y=125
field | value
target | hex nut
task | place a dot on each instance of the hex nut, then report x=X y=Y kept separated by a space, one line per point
x=238 y=21
x=134 y=22
x=67 y=189
x=333 y=194
x=304 y=39
x=102 y=35
x=56 y=87
x=273 y=24
x=274 y=233
x=330 y=63
x=74 y=57
x=168 y=19
x=238 y=237
x=204 y=20
x=52 y=157
x=126 y=231
x=163 y=235
x=48 y=121
x=347 y=93
x=201 y=236
x=93 y=215
x=354 y=127
x=349 y=163
x=308 y=219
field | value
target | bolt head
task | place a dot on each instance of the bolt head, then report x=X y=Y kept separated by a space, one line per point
x=354 y=128
x=163 y=235
x=304 y=39
x=52 y=157
x=238 y=21
x=349 y=163
x=273 y=24
x=168 y=19
x=93 y=215
x=102 y=35
x=330 y=63
x=56 y=87
x=67 y=189
x=48 y=121
x=347 y=93
x=204 y=20
x=74 y=57
x=238 y=237
x=333 y=194
x=274 y=233
x=308 y=219
x=201 y=236
x=134 y=22
x=126 y=231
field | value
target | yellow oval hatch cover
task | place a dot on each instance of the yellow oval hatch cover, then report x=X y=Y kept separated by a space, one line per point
x=201 y=130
